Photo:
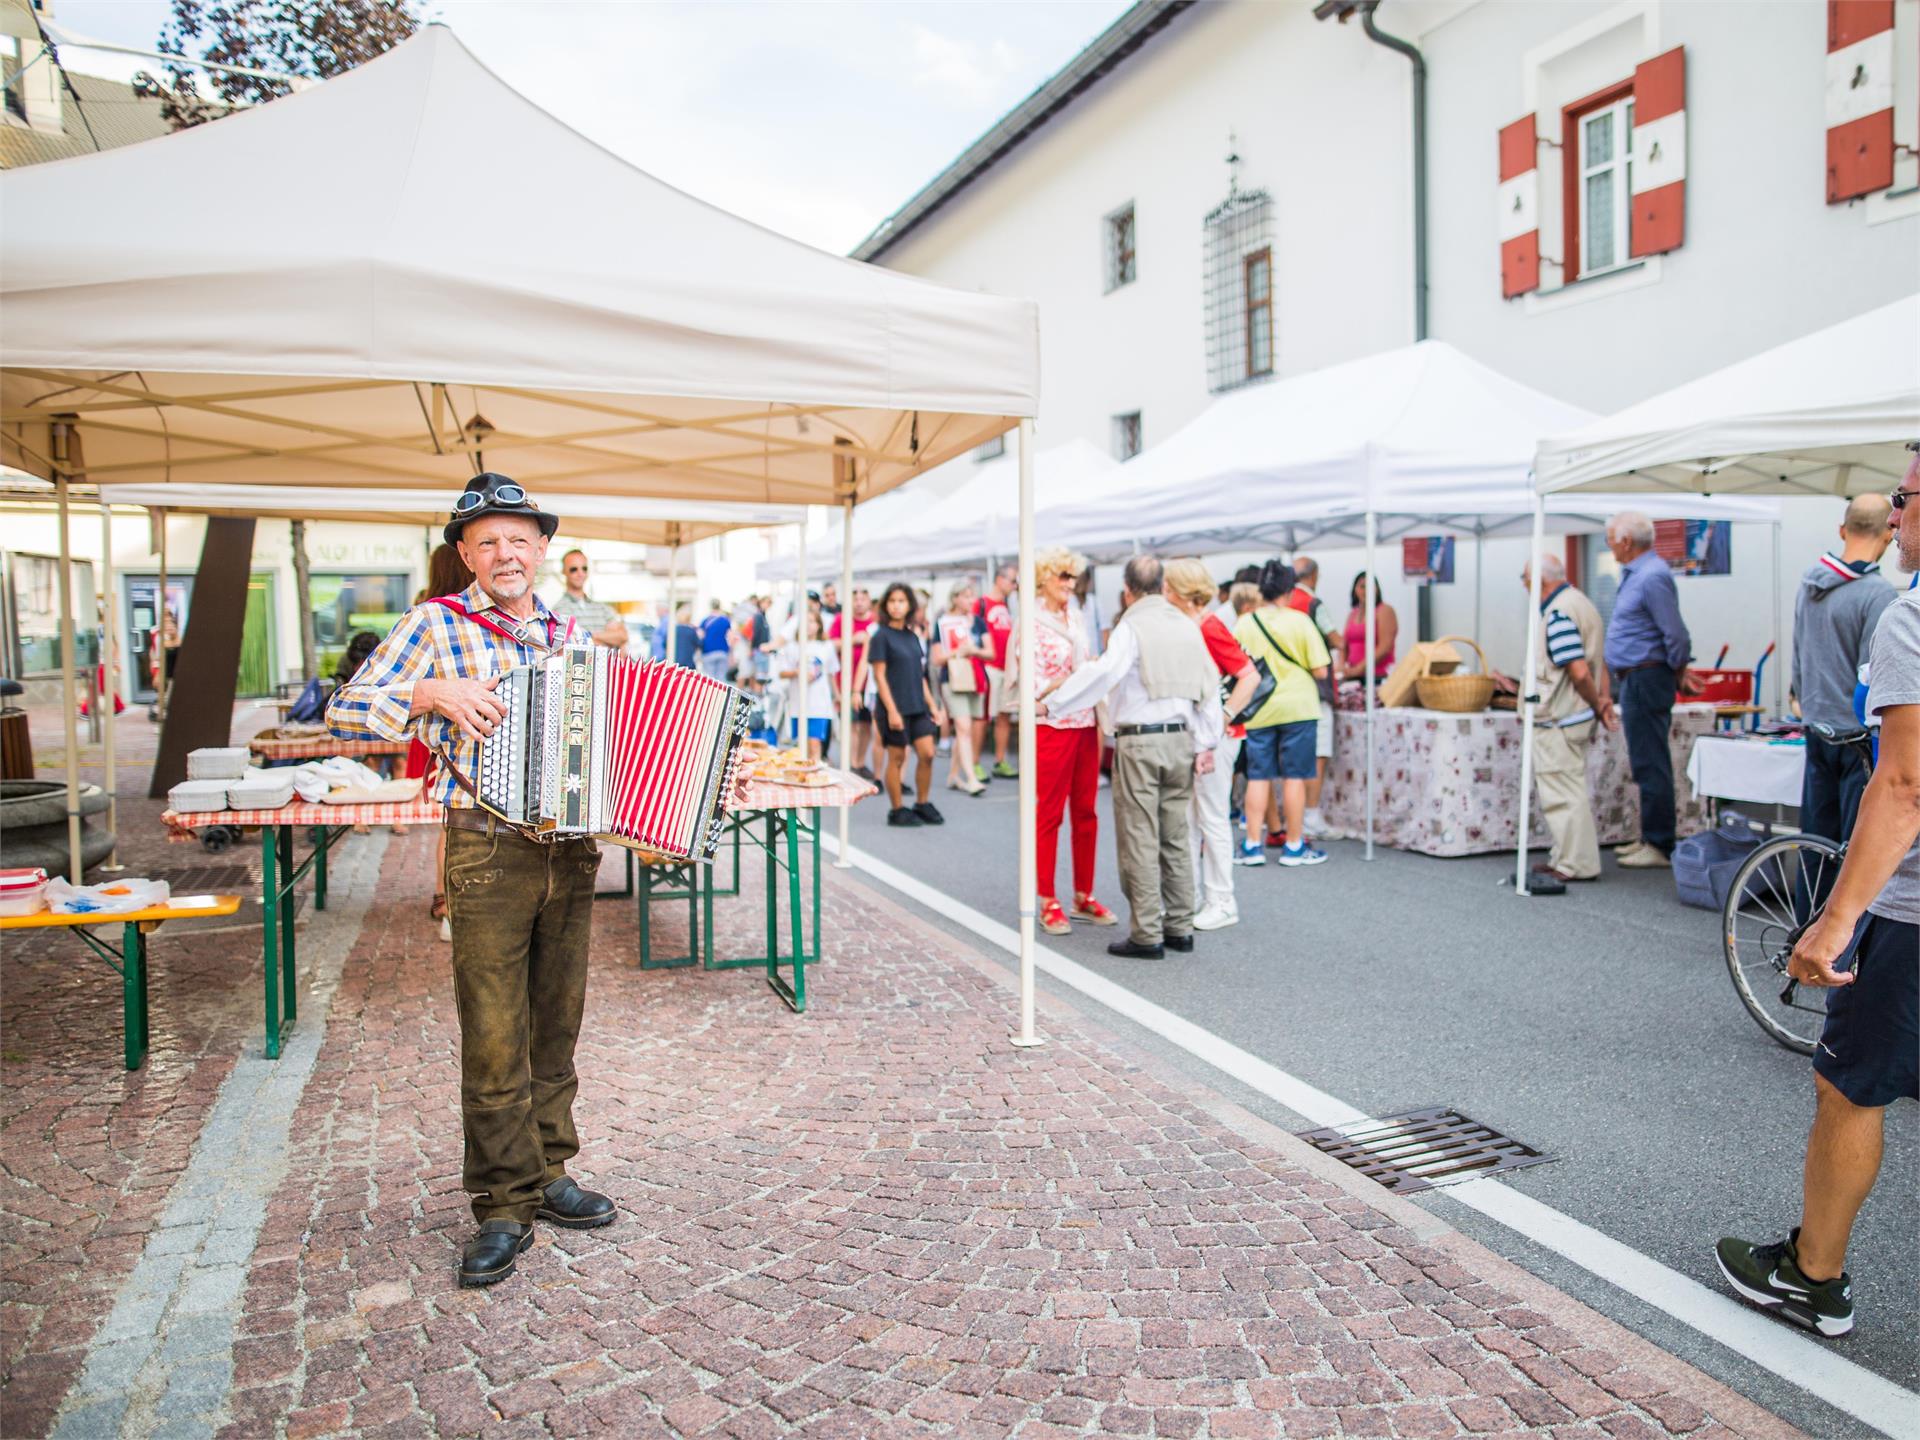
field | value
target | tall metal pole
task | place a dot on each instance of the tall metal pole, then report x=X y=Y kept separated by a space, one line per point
x=801 y=611
x=1367 y=608
x=110 y=692
x=673 y=578
x=68 y=699
x=160 y=612
x=1780 y=629
x=1029 y=772
x=847 y=758
x=1527 y=697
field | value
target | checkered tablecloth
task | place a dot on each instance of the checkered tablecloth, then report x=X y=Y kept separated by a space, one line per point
x=321 y=747
x=181 y=826
x=754 y=794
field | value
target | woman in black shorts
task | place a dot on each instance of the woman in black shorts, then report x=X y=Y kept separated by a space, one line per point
x=909 y=713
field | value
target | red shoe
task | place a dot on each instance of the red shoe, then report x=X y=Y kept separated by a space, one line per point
x=1085 y=907
x=1053 y=919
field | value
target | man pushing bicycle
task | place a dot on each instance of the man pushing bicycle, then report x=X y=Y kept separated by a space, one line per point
x=1869 y=1050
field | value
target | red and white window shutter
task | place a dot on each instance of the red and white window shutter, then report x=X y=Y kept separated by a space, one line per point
x=1519 y=227
x=1659 y=154
x=1859 y=98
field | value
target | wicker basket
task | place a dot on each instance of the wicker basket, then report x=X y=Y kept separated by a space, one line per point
x=1461 y=694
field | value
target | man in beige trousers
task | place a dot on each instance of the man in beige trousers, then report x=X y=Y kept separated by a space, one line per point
x=1162 y=691
x=1572 y=681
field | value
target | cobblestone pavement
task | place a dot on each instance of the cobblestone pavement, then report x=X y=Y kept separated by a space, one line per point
x=875 y=1219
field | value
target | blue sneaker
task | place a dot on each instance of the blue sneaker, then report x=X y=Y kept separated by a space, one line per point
x=1302 y=855
x=1250 y=853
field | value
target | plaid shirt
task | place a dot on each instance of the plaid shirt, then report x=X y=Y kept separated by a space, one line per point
x=433 y=643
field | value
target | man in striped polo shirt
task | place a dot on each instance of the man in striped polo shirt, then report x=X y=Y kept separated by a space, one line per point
x=1574 y=698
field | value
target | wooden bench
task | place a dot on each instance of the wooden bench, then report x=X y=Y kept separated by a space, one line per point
x=130 y=960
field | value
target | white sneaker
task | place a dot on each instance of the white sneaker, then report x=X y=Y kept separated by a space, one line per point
x=1216 y=917
x=1315 y=824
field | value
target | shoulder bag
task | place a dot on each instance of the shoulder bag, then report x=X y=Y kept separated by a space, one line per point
x=1322 y=687
x=1262 y=687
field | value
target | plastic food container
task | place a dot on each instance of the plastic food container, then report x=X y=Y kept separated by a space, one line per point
x=23 y=892
x=261 y=794
x=217 y=762
x=198 y=796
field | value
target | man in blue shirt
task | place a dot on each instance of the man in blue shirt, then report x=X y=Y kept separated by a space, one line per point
x=1647 y=652
x=716 y=642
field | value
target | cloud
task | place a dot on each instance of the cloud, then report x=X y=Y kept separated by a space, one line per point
x=961 y=72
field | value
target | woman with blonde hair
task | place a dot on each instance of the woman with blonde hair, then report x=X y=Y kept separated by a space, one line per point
x=1067 y=747
x=1192 y=590
x=965 y=682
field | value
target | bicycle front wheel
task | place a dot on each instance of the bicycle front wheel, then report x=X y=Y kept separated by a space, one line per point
x=1779 y=889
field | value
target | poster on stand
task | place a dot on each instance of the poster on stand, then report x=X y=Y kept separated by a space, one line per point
x=1695 y=547
x=1427 y=560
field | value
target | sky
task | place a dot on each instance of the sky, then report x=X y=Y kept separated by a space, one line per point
x=817 y=118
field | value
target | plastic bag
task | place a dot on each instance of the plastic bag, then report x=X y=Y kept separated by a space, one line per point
x=116 y=898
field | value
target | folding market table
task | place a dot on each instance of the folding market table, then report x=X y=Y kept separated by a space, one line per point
x=280 y=877
x=130 y=960
x=783 y=821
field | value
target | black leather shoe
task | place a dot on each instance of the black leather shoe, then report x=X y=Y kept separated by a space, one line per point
x=1128 y=950
x=490 y=1254
x=1181 y=944
x=565 y=1203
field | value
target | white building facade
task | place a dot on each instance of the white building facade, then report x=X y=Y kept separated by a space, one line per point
x=1598 y=272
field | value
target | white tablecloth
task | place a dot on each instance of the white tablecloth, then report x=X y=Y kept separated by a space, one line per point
x=1731 y=767
x=1448 y=783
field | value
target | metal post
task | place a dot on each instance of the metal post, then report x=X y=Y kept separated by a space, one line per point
x=800 y=612
x=160 y=612
x=1780 y=630
x=1367 y=608
x=76 y=873
x=844 y=857
x=1479 y=569
x=110 y=692
x=1029 y=772
x=673 y=578
x=1528 y=699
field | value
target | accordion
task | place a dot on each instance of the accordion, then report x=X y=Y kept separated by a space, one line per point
x=639 y=752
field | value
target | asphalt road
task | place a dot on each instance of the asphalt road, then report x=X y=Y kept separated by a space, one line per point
x=1599 y=1027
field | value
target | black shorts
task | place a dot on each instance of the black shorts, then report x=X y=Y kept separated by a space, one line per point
x=1870 y=1048
x=913 y=728
x=862 y=715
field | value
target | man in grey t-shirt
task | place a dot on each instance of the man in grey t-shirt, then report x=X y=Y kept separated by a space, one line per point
x=1869 y=1051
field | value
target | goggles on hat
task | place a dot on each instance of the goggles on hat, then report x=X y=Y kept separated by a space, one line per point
x=499 y=495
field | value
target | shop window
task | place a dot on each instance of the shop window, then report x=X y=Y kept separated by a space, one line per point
x=1599 y=182
x=345 y=603
x=1120 y=248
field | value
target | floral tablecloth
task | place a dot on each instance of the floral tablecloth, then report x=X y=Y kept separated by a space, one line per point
x=1447 y=783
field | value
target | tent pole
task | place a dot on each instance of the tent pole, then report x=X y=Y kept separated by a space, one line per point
x=801 y=611
x=1479 y=569
x=1367 y=608
x=847 y=758
x=673 y=579
x=1528 y=699
x=160 y=682
x=68 y=698
x=109 y=692
x=1029 y=772
x=1779 y=628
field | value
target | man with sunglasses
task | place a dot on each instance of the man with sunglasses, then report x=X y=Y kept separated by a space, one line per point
x=520 y=908
x=600 y=621
x=1869 y=1050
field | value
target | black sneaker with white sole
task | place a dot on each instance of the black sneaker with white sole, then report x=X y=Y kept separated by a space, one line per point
x=1769 y=1276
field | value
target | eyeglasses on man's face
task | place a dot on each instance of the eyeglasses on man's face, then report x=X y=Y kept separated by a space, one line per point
x=1899 y=498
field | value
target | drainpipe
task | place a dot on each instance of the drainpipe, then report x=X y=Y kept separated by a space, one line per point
x=1365 y=9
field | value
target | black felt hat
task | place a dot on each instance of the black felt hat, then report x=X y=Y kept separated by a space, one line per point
x=498 y=495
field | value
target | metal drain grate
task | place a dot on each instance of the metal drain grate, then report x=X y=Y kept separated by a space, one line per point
x=1420 y=1149
x=241 y=880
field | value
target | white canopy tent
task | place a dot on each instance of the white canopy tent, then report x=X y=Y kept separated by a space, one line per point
x=1829 y=414
x=328 y=304
x=1422 y=437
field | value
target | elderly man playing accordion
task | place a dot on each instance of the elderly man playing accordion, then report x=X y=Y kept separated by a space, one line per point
x=521 y=909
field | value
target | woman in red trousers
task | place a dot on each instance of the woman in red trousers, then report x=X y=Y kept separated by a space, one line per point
x=1067 y=762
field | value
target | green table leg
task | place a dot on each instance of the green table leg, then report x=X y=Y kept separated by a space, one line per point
x=133 y=994
x=773 y=893
x=146 y=1008
x=661 y=888
x=286 y=889
x=322 y=842
x=269 y=931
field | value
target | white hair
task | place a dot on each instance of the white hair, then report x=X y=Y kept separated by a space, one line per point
x=1632 y=525
x=1552 y=569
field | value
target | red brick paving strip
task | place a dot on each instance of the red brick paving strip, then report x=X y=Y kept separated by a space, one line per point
x=877 y=1219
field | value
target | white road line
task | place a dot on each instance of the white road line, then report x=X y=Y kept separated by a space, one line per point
x=1802 y=1362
